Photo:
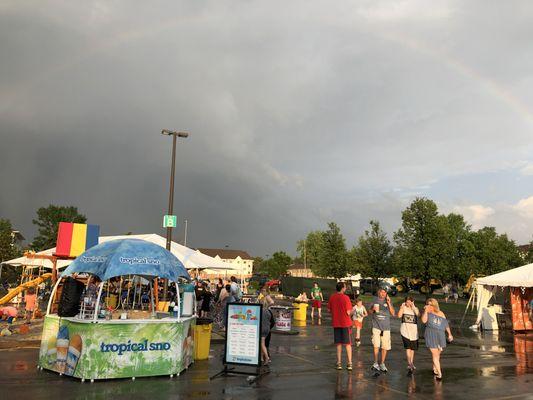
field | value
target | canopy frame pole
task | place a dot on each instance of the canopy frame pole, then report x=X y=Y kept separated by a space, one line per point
x=97 y=305
x=128 y=292
x=178 y=298
x=156 y=290
x=107 y=297
x=152 y=299
x=134 y=293
x=467 y=305
x=52 y=296
x=140 y=293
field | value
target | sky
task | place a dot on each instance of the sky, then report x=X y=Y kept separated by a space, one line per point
x=299 y=113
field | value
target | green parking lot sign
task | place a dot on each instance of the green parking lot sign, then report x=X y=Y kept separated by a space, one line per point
x=170 y=221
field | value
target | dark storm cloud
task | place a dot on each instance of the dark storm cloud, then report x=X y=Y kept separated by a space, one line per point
x=299 y=113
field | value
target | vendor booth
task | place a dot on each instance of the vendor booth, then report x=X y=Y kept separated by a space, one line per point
x=86 y=335
x=516 y=286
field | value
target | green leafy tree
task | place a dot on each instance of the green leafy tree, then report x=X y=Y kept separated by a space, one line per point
x=333 y=259
x=461 y=253
x=8 y=251
x=423 y=242
x=528 y=258
x=277 y=265
x=373 y=253
x=48 y=219
x=309 y=250
x=493 y=253
x=257 y=264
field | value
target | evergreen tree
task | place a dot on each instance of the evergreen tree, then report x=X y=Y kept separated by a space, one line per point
x=373 y=253
x=333 y=259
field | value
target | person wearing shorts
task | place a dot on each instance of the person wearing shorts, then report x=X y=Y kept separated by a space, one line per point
x=30 y=299
x=340 y=306
x=317 y=299
x=358 y=314
x=381 y=309
x=409 y=314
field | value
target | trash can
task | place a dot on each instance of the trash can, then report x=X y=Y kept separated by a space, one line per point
x=300 y=314
x=202 y=338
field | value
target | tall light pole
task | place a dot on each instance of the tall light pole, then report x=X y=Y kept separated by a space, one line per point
x=175 y=136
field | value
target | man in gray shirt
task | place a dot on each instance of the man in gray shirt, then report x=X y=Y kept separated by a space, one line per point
x=381 y=310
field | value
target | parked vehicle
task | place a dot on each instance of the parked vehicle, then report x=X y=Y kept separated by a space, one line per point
x=401 y=284
x=370 y=286
x=273 y=284
x=421 y=286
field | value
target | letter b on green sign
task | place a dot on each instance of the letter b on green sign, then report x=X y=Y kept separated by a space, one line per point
x=169 y=221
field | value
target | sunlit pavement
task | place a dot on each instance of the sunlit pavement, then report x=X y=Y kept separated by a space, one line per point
x=475 y=367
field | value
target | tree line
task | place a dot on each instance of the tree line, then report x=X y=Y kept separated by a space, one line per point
x=428 y=245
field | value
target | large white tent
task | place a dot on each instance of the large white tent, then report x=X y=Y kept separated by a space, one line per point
x=517 y=277
x=192 y=259
x=487 y=287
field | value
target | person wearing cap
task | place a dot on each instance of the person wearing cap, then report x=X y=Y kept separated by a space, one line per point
x=381 y=311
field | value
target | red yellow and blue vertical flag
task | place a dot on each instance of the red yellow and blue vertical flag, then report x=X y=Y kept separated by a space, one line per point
x=73 y=239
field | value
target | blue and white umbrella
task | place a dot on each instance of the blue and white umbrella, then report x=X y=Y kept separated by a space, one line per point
x=128 y=257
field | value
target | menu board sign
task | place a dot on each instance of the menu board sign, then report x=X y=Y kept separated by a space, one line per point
x=243 y=334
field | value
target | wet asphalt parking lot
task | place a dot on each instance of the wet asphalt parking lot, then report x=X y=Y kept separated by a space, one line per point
x=475 y=366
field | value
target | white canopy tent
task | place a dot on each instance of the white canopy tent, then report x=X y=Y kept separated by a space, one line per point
x=517 y=277
x=192 y=259
x=486 y=287
x=38 y=262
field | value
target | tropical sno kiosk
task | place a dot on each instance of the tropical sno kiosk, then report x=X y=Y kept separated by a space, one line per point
x=87 y=336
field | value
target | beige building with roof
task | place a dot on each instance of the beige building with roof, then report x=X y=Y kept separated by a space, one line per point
x=241 y=263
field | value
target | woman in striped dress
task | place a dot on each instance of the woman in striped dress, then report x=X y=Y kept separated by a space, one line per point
x=436 y=328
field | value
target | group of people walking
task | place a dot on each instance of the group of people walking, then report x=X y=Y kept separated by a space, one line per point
x=381 y=310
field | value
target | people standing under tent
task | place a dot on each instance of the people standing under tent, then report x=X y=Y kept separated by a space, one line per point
x=30 y=298
x=266 y=318
x=219 y=287
x=435 y=335
x=235 y=288
x=199 y=293
x=340 y=306
x=358 y=315
x=381 y=310
x=409 y=314
x=206 y=303
x=317 y=298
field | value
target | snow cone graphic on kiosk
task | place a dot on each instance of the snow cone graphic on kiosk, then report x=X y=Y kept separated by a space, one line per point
x=90 y=343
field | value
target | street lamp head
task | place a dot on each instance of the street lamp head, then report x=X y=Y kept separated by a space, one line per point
x=178 y=134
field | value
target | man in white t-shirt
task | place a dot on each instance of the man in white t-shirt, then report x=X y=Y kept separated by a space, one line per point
x=235 y=289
